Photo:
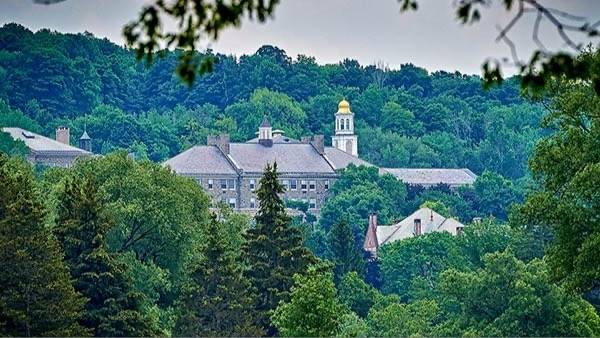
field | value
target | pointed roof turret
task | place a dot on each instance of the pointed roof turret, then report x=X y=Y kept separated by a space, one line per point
x=85 y=135
x=371 y=243
x=265 y=122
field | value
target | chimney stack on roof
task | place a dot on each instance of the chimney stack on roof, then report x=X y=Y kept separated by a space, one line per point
x=220 y=141
x=63 y=135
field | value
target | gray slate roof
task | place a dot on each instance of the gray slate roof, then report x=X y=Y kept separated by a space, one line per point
x=431 y=221
x=250 y=157
x=431 y=177
x=201 y=160
x=341 y=159
x=41 y=144
x=291 y=158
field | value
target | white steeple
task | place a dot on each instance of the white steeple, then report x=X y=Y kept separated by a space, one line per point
x=344 y=138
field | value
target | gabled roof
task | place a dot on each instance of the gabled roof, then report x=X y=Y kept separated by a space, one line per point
x=40 y=144
x=201 y=160
x=341 y=159
x=431 y=221
x=431 y=177
x=290 y=158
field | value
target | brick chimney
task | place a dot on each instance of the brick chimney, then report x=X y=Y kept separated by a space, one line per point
x=418 y=231
x=318 y=142
x=220 y=141
x=371 y=243
x=63 y=135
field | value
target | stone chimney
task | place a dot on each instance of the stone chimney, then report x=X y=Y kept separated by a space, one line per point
x=220 y=141
x=371 y=243
x=417 y=230
x=318 y=142
x=63 y=135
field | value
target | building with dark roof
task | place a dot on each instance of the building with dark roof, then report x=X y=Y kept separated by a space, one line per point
x=51 y=152
x=230 y=172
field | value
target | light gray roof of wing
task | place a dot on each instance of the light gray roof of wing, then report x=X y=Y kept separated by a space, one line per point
x=201 y=160
x=42 y=144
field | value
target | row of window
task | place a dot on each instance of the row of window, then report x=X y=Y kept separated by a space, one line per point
x=311 y=185
x=312 y=202
x=289 y=185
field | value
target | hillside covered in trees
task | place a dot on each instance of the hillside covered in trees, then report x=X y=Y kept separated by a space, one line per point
x=405 y=118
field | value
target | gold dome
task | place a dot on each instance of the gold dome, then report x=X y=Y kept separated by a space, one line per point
x=343 y=107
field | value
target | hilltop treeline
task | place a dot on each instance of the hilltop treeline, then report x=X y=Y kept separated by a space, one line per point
x=405 y=118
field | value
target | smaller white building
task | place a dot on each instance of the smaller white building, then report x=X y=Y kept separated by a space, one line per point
x=420 y=222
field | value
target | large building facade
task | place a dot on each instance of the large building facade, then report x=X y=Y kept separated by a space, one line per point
x=230 y=172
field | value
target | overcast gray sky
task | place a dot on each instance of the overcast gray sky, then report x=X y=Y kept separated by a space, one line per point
x=330 y=30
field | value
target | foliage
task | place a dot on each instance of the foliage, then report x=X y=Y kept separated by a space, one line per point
x=566 y=164
x=273 y=251
x=216 y=301
x=313 y=309
x=356 y=294
x=345 y=255
x=113 y=308
x=36 y=297
x=518 y=298
x=402 y=320
x=411 y=267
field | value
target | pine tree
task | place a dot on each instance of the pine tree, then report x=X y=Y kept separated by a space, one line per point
x=273 y=250
x=216 y=301
x=36 y=295
x=343 y=252
x=113 y=309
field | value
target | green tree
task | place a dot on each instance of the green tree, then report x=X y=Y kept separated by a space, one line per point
x=411 y=267
x=356 y=294
x=36 y=295
x=518 y=298
x=274 y=251
x=313 y=309
x=216 y=301
x=345 y=255
x=402 y=320
x=113 y=308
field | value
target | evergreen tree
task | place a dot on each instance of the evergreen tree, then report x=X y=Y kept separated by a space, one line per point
x=216 y=301
x=274 y=251
x=36 y=295
x=343 y=251
x=113 y=309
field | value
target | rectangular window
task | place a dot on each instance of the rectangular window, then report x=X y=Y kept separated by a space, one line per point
x=252 y=185
x=312 y=204
x=252 y=203
x=326 y=184
x=303 y=185
x=210 y=184
x=232 y=203
x=223 y=184
x=286 y=185
x=312 y=185
x=293 y=185
x=231 y=184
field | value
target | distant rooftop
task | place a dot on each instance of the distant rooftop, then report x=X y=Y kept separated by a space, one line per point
x=431 y=177
x=42 y=144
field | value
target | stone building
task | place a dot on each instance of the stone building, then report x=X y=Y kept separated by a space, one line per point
x=230 y=171
x=52 y=152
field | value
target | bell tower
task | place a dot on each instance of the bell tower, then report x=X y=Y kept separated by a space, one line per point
x=344 y=138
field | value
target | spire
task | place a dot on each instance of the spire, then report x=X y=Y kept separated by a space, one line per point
x=371 y=243
x=265 y=122
x=85 y=135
